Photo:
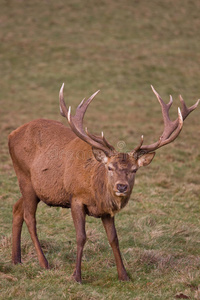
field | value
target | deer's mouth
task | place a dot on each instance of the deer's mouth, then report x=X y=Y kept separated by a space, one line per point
x=121 y=189
x=121 y=194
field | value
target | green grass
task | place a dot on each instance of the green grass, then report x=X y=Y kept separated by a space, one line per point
x=119 y=47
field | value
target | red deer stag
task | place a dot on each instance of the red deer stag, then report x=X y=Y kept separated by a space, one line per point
x=75 y=169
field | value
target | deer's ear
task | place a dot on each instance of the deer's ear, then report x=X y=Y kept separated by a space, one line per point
x=100 y=155
x=145 y=159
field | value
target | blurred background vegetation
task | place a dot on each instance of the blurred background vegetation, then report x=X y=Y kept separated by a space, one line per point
x=121 y=48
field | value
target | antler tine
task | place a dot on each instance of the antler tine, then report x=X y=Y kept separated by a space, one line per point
x=187 y=110
x=94 y=137
x=147 y=148
x=162 y=103
x=168 y=124
x=107 y=143
x=140 y=144
x=102 y=140
x=81 y=103
x=82 y=107
x=171 y=128
x=175 y=133
x=63 y=108
x=76 y=122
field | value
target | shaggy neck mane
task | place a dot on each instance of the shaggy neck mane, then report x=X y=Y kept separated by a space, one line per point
x=105 y=201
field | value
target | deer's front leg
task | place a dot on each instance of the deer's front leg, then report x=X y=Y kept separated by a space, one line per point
x=109 y=226
x=78 y=215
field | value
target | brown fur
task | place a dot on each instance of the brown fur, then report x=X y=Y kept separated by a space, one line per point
x=53 y=165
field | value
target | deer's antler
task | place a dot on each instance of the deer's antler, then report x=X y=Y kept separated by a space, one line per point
x=76 y=123
x=171 y=128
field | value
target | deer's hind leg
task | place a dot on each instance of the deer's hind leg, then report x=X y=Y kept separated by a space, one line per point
x=30 y=203
x=18 y=219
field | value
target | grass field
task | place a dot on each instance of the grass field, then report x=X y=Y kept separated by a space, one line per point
x=119 y=47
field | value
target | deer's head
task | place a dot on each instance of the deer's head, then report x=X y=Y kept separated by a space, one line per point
x=121 y=169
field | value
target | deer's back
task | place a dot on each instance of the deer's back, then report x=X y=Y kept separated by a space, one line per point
x=39 y=151
x=37 y=137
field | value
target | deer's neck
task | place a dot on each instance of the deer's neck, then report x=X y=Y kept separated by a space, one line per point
x=106 y=202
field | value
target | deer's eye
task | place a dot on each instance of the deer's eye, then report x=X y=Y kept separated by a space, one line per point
x=110 y=168
x=133 y=170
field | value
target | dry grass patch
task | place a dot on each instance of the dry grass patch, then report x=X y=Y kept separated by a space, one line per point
x=120 y=48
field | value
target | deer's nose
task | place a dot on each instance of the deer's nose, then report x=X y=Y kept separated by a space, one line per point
x=122 y=187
